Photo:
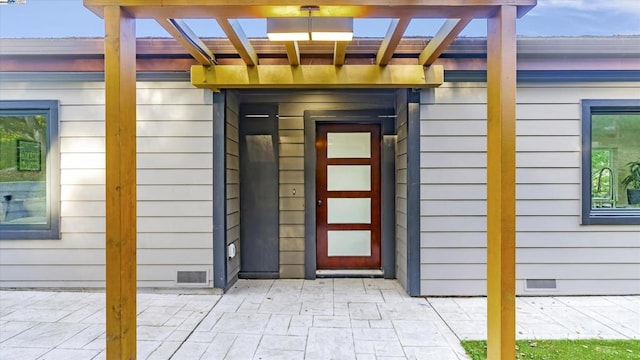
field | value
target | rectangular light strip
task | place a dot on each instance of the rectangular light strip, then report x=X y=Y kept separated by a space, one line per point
x=331 y=29
x=288 y=29
x=310 y=28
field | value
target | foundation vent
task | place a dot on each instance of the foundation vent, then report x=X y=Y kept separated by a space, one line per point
x=192 y=277
x=543 y=284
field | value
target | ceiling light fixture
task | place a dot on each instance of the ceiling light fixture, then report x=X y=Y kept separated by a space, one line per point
x=331 y=28
x=288 y=29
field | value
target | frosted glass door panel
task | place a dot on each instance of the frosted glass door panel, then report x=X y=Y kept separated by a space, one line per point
x=348 y=145
x=349 y=178
x=349 y=211
x=349 y=243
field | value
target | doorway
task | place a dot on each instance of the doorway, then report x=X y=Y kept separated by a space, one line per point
x=348 y=194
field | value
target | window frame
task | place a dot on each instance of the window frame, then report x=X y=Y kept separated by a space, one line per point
x=51 y=230
x=592 y=216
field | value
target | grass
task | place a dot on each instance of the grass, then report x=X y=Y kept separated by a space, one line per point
x=563 y=349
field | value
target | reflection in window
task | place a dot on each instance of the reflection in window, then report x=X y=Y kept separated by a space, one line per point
x=602 y=193
x=613 y=131
x=25 y=174
x=615 y=143
x=22 y=169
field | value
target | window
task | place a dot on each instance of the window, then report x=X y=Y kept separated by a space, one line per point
x=611 y=162
x=29 y=190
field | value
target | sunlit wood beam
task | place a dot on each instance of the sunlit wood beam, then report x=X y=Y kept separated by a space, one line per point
x=189 y=40
x=187 y=9
x=236 y=35
x=316 y=76
x=391 y=40
x=120 y=192
x=339 y=53
x=501 y=184
x=445 y=36
x=293 y=52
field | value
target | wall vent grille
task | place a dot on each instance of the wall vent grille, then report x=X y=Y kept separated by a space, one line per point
x=541 y=284
x=192 y=277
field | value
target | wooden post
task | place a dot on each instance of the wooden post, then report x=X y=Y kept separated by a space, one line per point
x=120 y=83
x=501 y=183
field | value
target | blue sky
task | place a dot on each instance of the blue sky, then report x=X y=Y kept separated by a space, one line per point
x=69 y=18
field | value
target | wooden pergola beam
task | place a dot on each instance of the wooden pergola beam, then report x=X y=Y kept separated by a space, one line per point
x=188 y=39
x=186 y=9
x=316 y=76
x=391 y=40
x=501 y=183
x=120 y=137
x=293 y=52
x=339 y=53
x=443 y=38
x=236 y=35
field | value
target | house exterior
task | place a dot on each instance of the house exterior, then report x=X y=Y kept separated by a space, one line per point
x=230 y=183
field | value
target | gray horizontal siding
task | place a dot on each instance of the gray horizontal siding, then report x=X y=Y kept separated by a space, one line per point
x=232 y=146
x=551 y=243
x=174 y=187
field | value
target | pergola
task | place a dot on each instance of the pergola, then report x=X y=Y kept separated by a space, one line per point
x=250 y=71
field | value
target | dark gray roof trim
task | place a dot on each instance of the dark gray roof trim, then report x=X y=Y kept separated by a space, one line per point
x=89 y=76
x=550 y=76
x=609 y=46
x=449 y=76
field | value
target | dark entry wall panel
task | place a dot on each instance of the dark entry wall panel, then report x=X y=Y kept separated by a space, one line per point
x=219 y=192
x=259 y=199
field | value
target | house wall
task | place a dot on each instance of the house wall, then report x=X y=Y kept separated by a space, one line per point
x=233 y=182
x=401 y=191
x=292 y=106
x=551 y=243
x=174 y=187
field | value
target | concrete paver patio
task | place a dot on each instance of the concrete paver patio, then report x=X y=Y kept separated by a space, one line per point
x=295 y=319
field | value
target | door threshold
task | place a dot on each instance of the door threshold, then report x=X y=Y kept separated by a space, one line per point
x=349 y=273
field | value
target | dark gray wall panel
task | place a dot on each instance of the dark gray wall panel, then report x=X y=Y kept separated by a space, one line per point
x=259 y=198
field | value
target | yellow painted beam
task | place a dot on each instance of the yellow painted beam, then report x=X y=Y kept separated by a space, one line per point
x=185 y=9
x=188 y=39
x=293 y=52
x=501 y=184
x=239 y=40
x=391 y=40
x=443 y=38
x=316 y=76
x=120 y=137
x=339 y=53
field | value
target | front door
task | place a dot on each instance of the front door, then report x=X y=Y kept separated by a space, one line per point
x=348 y=196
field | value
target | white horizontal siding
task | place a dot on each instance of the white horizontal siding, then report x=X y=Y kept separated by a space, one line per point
x=560 y=255
x=551 y=242
x=174 y=187
x=532 y=271
x=465 y=287
x=532 y=239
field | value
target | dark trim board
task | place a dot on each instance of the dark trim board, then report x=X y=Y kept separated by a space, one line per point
x=388 y=199
x=311 y=117
x=259 y=275
x=219 y=191
x=534 y=76
x=413 y=194
x=552 y=76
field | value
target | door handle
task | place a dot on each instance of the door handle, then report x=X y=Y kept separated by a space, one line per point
x=319 y=202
